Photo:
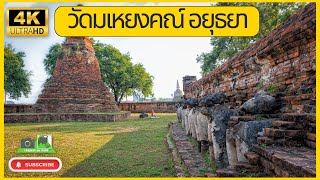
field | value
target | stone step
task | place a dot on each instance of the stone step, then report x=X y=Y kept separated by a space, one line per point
x=282 y=173
x=227 y=172
x=279 y=142
x=77 y=91
x=311 y=118
x=311 y=136
x=72 y=100
x=242 y=118
x=73 y=90
x=254 y=117
x=306 y=96
x=287 y=125
x=298 y=161
x=299 y=117
x=74 y=93
x=274 y=170
x=313 y=102
x=234 y=120
x=252 y=157
x=309 y=108
x=268 y=166
x=311 y=144
x=311 y=127
x=281 y=133
x=265 y=141
x=293 y=117
x=243 y=166
x=72 y=97
x=72 y=87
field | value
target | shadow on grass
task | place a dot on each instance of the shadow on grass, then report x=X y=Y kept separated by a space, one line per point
x=134 y=154
x=81 y=127
x=135 y=150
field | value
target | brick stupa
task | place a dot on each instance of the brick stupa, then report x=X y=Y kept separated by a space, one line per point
x=76 y=85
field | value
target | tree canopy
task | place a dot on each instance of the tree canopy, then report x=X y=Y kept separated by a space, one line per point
x=51 y=58
x=117 y=71
x=122 y=76
x=16 y=79
x=271 y=15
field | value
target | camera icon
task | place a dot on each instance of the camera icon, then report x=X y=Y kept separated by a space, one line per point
x=27 y=143
x=42 y=144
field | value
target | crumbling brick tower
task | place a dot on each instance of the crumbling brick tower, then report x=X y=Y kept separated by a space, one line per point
x=76 y=85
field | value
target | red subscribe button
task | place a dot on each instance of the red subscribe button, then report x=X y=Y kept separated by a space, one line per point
x=35 y=164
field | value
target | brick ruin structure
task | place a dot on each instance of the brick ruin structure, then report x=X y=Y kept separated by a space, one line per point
x=76 y=91
x=269 y=133
x=76 y=85
x=187 y=80
x=148 y=107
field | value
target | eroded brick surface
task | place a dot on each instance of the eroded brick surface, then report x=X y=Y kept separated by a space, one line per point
x=284 y=59
x=279 y=133
x=282 y=64
x=297 y=161
x=252 y=157
x=65 y=117
x=147 y=107
x=76 y=85
x=189 y=155
x=227 y=172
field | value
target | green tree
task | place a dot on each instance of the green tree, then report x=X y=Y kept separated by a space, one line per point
x=271 y=15
x=120 y=74
x=16 y=79
x=51 y=58
x=117 y=71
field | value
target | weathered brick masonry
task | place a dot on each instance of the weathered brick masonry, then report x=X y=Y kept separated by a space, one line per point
x=147 y=107
x=76 y=91
x=18 y=108
x=65 y=117
x=76 y=85
x=133 y=107
x=283 y=63
x=246 y=131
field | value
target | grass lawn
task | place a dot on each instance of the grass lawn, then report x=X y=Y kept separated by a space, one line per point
x=130 y=148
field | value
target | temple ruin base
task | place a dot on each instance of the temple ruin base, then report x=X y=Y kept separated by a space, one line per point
x=65 y=117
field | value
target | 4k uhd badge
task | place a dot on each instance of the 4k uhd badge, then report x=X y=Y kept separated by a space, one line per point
x=27 y=21
x=43 y=144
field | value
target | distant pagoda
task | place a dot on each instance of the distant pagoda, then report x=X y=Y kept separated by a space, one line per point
x=177 y=95
x=76 y=85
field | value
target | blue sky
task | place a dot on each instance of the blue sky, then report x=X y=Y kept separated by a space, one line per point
x=168 y=59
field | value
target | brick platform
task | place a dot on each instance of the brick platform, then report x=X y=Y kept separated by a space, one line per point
x=147 y=107
x=65 y=117
x=288 y=148
x=288 y=161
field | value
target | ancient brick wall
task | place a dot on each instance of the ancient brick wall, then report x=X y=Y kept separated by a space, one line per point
x=147 y=107
x=65 y=117
x=17 y=108
x=134 y=107
x=282 y=63
x=274 y=142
